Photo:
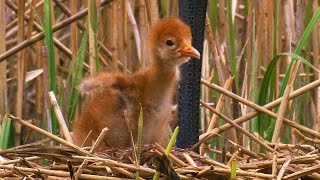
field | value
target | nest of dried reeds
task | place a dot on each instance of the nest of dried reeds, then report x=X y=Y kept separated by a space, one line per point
x=45 y=160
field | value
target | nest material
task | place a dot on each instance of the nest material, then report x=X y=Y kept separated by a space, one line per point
x=44 y=161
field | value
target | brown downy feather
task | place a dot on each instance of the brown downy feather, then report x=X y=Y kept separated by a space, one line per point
x=153 y=88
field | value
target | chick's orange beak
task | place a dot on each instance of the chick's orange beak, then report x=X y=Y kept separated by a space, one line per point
x=188 y=50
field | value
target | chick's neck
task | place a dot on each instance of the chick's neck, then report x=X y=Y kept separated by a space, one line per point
x=158 y=95
x=164 y=72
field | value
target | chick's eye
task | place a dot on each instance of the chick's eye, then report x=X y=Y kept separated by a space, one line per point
x=169 y=42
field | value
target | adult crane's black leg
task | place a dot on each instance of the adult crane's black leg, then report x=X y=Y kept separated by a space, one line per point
x=192 y=12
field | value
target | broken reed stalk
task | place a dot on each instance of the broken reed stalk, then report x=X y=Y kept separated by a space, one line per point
x=303 y=137
x=49 y=135
x=287 y=162
x=274 y=164
x=93 y=148
x=284 y=102
x=284 y=167
x=63 y=126
x=233 y=157
x=189 y=159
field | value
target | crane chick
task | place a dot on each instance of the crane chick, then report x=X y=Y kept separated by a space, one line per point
x=117 y=105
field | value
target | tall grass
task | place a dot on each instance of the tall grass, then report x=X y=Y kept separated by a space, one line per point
x=234 y=165
x=168 y=149
x=139 y=142
x=7 y=134
x=264 y=95
x=74 y=79
x=51 y=65
x=231 y=40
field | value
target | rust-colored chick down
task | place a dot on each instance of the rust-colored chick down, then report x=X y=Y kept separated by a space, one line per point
x=153 y=88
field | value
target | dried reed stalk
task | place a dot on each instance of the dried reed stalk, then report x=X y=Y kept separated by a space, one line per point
x=3 y=66
x=214 y=118
x=56 y=138
x=284 y=102
x=74 y=31
x=237 y=127
x=316 y=63
x=114 y=42
x=135 y=29
x=20 y=68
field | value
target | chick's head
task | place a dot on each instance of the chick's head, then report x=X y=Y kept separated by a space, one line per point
x=170 y=42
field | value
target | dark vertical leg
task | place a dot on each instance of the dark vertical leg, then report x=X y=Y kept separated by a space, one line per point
x=193 y=13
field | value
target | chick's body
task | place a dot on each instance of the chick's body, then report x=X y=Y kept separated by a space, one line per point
x=117 y=105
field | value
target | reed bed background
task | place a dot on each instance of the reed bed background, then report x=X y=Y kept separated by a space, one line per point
x=258 y=50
